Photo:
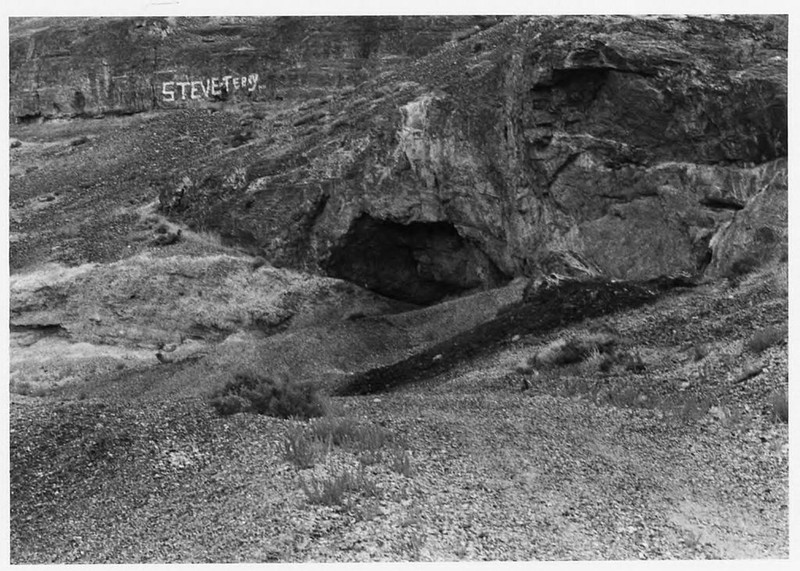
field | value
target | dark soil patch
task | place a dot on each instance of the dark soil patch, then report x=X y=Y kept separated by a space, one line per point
x=542 y=310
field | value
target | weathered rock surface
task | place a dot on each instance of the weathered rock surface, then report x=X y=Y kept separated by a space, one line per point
x=759 y=231
x=624 y=146
x=86 y=66
x=611 y=145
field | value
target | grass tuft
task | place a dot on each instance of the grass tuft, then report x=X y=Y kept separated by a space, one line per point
x=347 y=433
x=332 y=491
x=402 y=464
x=575 y=350
x=302 y=448
x=779 y=401
x=766 y=338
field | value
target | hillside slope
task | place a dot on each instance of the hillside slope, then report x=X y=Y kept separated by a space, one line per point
x=680 y=457
x=532 y=272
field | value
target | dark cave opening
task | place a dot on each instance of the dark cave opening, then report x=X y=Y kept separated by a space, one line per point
x=419 y=262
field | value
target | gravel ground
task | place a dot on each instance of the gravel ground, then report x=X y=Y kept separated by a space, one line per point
x=492 y=472
x=498 y=476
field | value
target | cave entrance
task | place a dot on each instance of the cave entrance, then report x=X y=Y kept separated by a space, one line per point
x=420 y=262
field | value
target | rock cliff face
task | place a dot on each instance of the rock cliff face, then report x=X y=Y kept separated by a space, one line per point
x=457 y=153
x=85 y=66
x=630 y=147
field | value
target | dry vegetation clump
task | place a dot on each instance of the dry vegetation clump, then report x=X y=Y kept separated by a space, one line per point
x=575 y=349
x=743 y=265
x=591 y=352
x=347 y=433
x=262 y=395
x=26 y=388
x=401 y=463
x=700 y=351
x=302 y=449
x=333 y=490
x=779 y=401
x=373 y=445
x=765 y=338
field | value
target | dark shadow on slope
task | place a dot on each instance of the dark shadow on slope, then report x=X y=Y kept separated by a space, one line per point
x=542 y=310
x=418 y=262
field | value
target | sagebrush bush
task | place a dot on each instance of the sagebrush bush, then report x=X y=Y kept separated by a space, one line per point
x=262 y=395
x=226 y=405
x=766 y=338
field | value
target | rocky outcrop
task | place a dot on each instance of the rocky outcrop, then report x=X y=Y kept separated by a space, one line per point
x=570 y=145
x=758 y=233
x=88 y=66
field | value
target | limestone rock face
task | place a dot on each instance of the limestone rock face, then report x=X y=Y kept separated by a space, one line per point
x=86 y=66
x=433 y=156
x=574 y=145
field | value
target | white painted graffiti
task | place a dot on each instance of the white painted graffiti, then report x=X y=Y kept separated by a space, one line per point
x=214 y=86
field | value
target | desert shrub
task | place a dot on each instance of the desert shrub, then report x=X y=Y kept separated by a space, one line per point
x=766 y=338
x=240 y=137
x=262 y=395
x=401 y=463
x=765 y=235
x=780 y=279
x=692 y=539
x=779 y=401
x=25 y=388
x=524 y=369
x=302 y=448
x=623 y=397
x=21 y=387
x=700 y=351
x=594 y=361
x=692 y=409
x=633 y=362
x=370 y=457
x=347 y=433
x=258 y=262
x=575 y=350
x=226 y=405
x=332 y=491
x=575 y=386
x=104 y=441
x=744 y=264
x=607 y=363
